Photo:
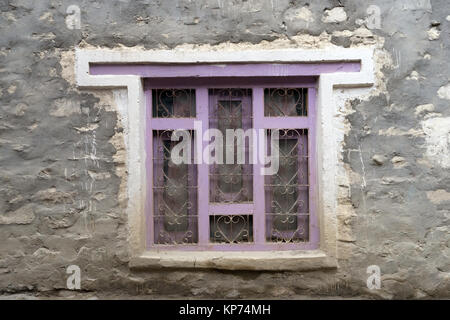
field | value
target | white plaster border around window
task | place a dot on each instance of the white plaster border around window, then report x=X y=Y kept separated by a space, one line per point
x=327 y=146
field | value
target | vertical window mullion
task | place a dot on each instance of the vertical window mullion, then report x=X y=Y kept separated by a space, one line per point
x=313 y=165
x=203 y=168
x=259 y=215
x=149 y=165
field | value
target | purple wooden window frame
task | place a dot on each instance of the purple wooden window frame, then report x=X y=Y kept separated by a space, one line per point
x=256 y=77
x=257 y=208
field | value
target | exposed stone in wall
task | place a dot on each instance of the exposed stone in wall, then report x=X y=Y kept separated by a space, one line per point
x=23 y=215
x=334 y=15
x=424 y=108
x=438 y=196
x=444 y=92
x=299 y=15
x=63 y=160
x=433 y=33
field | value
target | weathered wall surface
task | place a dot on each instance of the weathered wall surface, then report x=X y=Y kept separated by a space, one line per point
x=62 y=153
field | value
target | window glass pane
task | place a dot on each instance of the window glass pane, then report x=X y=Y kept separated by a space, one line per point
x=230 y=112
x=174 y=193
x=285 y=102
x=231 y=228
x=287 y=191
x=173 y=103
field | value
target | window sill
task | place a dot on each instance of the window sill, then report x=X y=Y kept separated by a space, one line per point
x=244 y=260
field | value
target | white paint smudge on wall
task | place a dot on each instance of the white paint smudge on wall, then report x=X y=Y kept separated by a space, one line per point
x=444 y=92
x=121 y=99
x=437 y=135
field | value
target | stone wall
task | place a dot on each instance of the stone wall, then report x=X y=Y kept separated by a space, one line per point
x=62 y=150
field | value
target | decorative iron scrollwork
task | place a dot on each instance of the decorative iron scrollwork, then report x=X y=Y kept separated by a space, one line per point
x=231 y=228
x=174 y=194
x=287 y=191
x=173 y=103
x=285 y=102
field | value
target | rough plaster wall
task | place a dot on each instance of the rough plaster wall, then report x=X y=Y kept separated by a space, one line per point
x=62 y=152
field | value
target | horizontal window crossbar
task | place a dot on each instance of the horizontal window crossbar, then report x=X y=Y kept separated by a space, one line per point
x=224 y=209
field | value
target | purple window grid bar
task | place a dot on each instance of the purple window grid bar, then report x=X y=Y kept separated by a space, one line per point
x=256 y=77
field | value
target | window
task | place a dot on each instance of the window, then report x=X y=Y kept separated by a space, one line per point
x=227 y=203
x=318 y=72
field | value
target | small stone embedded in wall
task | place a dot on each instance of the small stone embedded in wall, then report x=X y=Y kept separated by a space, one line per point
x=334 y=15
x=433 y=33
x=23 y=215
x=444 y=92
x=12 y=89
x=415 y=76
x=424 y=108
x=438 y=196
x=398 y=162
x=378 y=159
x=302 y=13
